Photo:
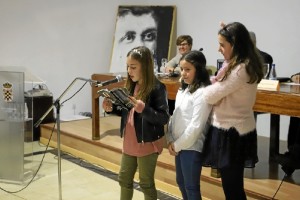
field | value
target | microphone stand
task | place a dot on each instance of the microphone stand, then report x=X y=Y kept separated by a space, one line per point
x=56 y=104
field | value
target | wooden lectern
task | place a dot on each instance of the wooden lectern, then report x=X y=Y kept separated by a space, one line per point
x=95 y=100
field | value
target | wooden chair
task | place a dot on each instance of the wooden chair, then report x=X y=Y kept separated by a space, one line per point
x=211 y=69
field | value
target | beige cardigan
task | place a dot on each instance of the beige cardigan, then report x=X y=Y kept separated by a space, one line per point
x=233 y=100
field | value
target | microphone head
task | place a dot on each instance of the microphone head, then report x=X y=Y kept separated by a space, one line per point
x=105 y=83
x=119 y=77
x=201 y=49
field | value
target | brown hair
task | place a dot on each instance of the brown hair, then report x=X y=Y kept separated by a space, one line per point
x=186 y=38
x=144 y=56
x=244 y=51
x=201 y=79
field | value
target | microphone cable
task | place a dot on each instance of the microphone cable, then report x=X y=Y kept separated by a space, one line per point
x=74 y=93
x=38 y=169
x=284 y=177
x=46 y=150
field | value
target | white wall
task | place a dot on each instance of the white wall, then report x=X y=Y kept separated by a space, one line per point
x=59 y=40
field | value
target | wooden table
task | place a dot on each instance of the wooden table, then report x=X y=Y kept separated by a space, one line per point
x=286 y=101
x=172 y=85
x=283 y=102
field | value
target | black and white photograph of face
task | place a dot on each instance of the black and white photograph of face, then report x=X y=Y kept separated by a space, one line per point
x=140 y=26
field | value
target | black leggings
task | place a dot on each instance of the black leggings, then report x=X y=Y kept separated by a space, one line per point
x=294 y=132
x=233 y=182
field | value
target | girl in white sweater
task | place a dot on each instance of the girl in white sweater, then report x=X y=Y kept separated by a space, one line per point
x=189 y=124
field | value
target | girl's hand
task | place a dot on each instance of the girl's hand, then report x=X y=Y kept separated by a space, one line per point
x=139 y=105
x=171 y=149
x=222 y=24
x=169 y=69
x=133 y=100
x=107 y=105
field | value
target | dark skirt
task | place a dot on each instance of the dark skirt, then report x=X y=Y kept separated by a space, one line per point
x=225 y=148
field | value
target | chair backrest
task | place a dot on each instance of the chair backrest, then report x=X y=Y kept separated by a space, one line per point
x=211 y=69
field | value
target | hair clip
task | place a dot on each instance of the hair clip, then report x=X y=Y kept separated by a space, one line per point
x=137 y=51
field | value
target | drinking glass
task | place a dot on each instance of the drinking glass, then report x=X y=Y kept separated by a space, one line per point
x=163 y=65
x=164 y=62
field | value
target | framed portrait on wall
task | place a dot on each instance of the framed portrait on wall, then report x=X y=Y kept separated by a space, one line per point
x=150 y=26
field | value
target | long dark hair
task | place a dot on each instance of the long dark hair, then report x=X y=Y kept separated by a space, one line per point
x=244 y=51
x=201 y=79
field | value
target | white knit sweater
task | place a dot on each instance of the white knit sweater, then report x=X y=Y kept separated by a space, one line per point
x=189 y=122
x=233 y=101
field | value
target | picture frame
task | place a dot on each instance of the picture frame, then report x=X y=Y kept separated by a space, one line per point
x=150 y=26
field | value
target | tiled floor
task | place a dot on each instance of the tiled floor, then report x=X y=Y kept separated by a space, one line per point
x=79 y=180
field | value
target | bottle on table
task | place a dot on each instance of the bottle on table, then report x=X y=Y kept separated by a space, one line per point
x=273 y=75
x=163 y=65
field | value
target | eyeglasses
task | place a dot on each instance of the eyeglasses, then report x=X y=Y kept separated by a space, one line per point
x=183 y=44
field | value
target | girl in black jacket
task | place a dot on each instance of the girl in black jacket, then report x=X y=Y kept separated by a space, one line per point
x=142 y=127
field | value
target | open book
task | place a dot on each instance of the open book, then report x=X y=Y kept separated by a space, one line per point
x=119 y=96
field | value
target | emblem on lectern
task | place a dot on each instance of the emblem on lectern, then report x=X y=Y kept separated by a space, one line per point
x=7 y=92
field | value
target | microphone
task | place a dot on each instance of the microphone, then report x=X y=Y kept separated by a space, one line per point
x=201 y=49
x=115 y=80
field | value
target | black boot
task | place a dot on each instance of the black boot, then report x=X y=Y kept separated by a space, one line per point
x=288 y=170
x=290 y=161
x=286 y=163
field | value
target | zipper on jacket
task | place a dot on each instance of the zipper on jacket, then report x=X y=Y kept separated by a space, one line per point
x=125 y=124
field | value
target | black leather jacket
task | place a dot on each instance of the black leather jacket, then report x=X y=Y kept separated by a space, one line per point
x=149 y=125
